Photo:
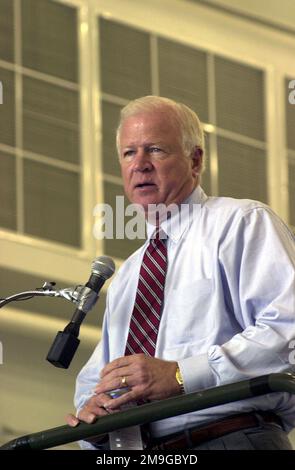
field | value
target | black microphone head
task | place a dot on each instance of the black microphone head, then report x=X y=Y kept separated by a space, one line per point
x=103 y=266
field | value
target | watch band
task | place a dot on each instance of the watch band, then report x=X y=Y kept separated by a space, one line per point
x=179 y=379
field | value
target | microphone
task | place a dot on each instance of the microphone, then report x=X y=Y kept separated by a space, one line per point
x=66 y=342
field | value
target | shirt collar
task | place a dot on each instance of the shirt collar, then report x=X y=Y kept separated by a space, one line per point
x=178 y=223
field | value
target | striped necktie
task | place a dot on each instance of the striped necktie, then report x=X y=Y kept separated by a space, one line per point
x=146 y=315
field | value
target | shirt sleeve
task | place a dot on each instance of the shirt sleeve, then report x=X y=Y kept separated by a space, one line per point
x=89 y=375
x=257 y=259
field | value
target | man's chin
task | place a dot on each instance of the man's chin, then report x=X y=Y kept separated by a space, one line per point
x=145 y=201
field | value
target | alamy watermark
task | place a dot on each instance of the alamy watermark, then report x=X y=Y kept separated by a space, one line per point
x=130 y=222
x=292 y=93
x=1 y=92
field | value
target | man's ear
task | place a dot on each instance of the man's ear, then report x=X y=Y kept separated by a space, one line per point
x=197 y=159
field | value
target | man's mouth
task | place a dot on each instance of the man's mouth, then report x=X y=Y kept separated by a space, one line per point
x=144 y=185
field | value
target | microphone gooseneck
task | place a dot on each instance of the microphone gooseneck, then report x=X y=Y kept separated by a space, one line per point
x=66 y=342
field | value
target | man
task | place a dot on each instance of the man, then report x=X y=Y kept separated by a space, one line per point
x=227 y=311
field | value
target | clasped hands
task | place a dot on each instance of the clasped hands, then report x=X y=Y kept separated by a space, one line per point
x=144 y=378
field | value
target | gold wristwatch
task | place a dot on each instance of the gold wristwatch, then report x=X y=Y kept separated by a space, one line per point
x=179 y=379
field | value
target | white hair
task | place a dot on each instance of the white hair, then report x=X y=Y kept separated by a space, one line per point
x=188 y=121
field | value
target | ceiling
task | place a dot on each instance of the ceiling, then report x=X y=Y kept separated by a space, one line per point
x=278 y=14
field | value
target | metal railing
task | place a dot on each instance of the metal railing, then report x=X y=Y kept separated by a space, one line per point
x=155 y=411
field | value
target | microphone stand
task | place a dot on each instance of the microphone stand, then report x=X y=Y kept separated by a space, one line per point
x=25 y=295
x=69 y=293
x=66 y=342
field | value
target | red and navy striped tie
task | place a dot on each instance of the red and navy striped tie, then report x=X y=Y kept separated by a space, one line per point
x=146 y=315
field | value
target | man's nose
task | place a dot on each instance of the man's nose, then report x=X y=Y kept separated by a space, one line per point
x=142 y=161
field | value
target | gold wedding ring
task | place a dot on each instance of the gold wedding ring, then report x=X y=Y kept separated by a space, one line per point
x=123 y=382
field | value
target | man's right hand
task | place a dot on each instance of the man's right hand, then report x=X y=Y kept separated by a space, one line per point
x=91 y=411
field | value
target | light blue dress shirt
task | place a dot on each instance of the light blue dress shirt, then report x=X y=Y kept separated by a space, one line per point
x=229 y=309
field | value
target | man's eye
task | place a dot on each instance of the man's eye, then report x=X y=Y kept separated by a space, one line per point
x=155 y=150
x=128 y=153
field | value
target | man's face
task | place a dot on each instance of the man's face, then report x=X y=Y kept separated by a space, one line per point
x=154 y=167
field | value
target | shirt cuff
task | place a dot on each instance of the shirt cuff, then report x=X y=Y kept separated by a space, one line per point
x=86 y=445
x=196 y=373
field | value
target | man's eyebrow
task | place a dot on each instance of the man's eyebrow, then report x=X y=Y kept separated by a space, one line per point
x=145 y=144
